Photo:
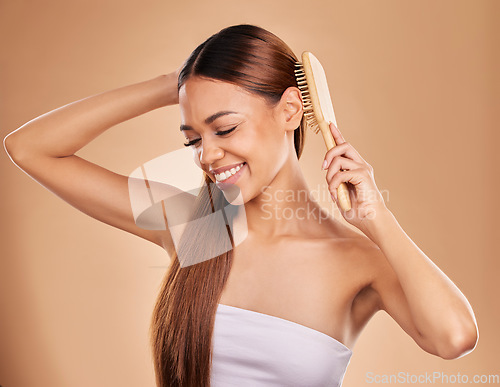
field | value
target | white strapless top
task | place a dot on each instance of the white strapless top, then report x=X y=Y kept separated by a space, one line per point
x=255 y=349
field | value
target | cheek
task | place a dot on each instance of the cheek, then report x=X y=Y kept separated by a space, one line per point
x=270 y=143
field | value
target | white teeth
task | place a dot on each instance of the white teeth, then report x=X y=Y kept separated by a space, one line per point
x=224 y=175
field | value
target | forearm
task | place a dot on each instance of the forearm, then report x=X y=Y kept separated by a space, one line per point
x=439 y=309
x=65 y=130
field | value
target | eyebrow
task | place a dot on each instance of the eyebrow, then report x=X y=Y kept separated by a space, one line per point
x=210 y=119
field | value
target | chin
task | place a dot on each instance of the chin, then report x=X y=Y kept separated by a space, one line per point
x=233 y=194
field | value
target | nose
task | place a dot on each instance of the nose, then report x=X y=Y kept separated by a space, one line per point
x=210 y=152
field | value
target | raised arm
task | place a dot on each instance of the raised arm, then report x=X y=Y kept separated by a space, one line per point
x=45 y=147
x=410 y=286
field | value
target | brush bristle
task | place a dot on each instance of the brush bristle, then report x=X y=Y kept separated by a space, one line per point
x=300 y=76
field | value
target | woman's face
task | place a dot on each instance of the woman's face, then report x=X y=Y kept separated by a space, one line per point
x=236 y=137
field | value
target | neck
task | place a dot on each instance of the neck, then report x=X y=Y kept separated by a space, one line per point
x=284 y=207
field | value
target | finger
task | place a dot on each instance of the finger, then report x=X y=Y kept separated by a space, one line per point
x=334 y=184
x=337 y=136
x=352 y=198
x=346 y=150
x=354 y=177
x=340 y=163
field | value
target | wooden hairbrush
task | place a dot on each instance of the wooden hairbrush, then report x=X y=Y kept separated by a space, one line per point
x=318 y=108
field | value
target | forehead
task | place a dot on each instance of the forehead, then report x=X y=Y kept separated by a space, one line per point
x=200 y=98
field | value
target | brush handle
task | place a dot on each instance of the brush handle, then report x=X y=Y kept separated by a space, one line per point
x=342 y=190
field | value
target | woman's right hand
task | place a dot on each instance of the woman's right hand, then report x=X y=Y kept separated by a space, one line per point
x=170 y=94
x=172 y=87
x=178 y=71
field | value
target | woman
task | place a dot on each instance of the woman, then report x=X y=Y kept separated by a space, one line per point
x=286 y=305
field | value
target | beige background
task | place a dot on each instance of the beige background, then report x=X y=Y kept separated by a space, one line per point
x=414 y=89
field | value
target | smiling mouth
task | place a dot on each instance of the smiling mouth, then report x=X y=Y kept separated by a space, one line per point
x=230 y=176
x=227 y=175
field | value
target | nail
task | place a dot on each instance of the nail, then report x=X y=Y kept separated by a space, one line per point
x=324 y=164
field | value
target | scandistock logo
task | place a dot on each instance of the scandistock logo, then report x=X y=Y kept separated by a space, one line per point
x=170 y=193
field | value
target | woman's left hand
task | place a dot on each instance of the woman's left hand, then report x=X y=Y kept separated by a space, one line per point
x=344 y=164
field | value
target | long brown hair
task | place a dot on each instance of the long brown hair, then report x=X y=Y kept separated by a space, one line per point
x=184 y=315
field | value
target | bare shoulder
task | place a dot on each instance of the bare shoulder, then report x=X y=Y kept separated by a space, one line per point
x=359 y=255
x=367 y=263
x=356 y=246
x=368 y=258
x=354 y=262
x=377 y=277
x=355 y=255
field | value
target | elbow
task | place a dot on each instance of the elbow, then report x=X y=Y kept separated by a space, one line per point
x=8 y=144
x=461 y=343
x=14 y=148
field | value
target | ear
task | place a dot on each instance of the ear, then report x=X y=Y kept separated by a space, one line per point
x=291 y=108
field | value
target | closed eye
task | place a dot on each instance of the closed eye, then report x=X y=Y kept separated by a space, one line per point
x=221 y=133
